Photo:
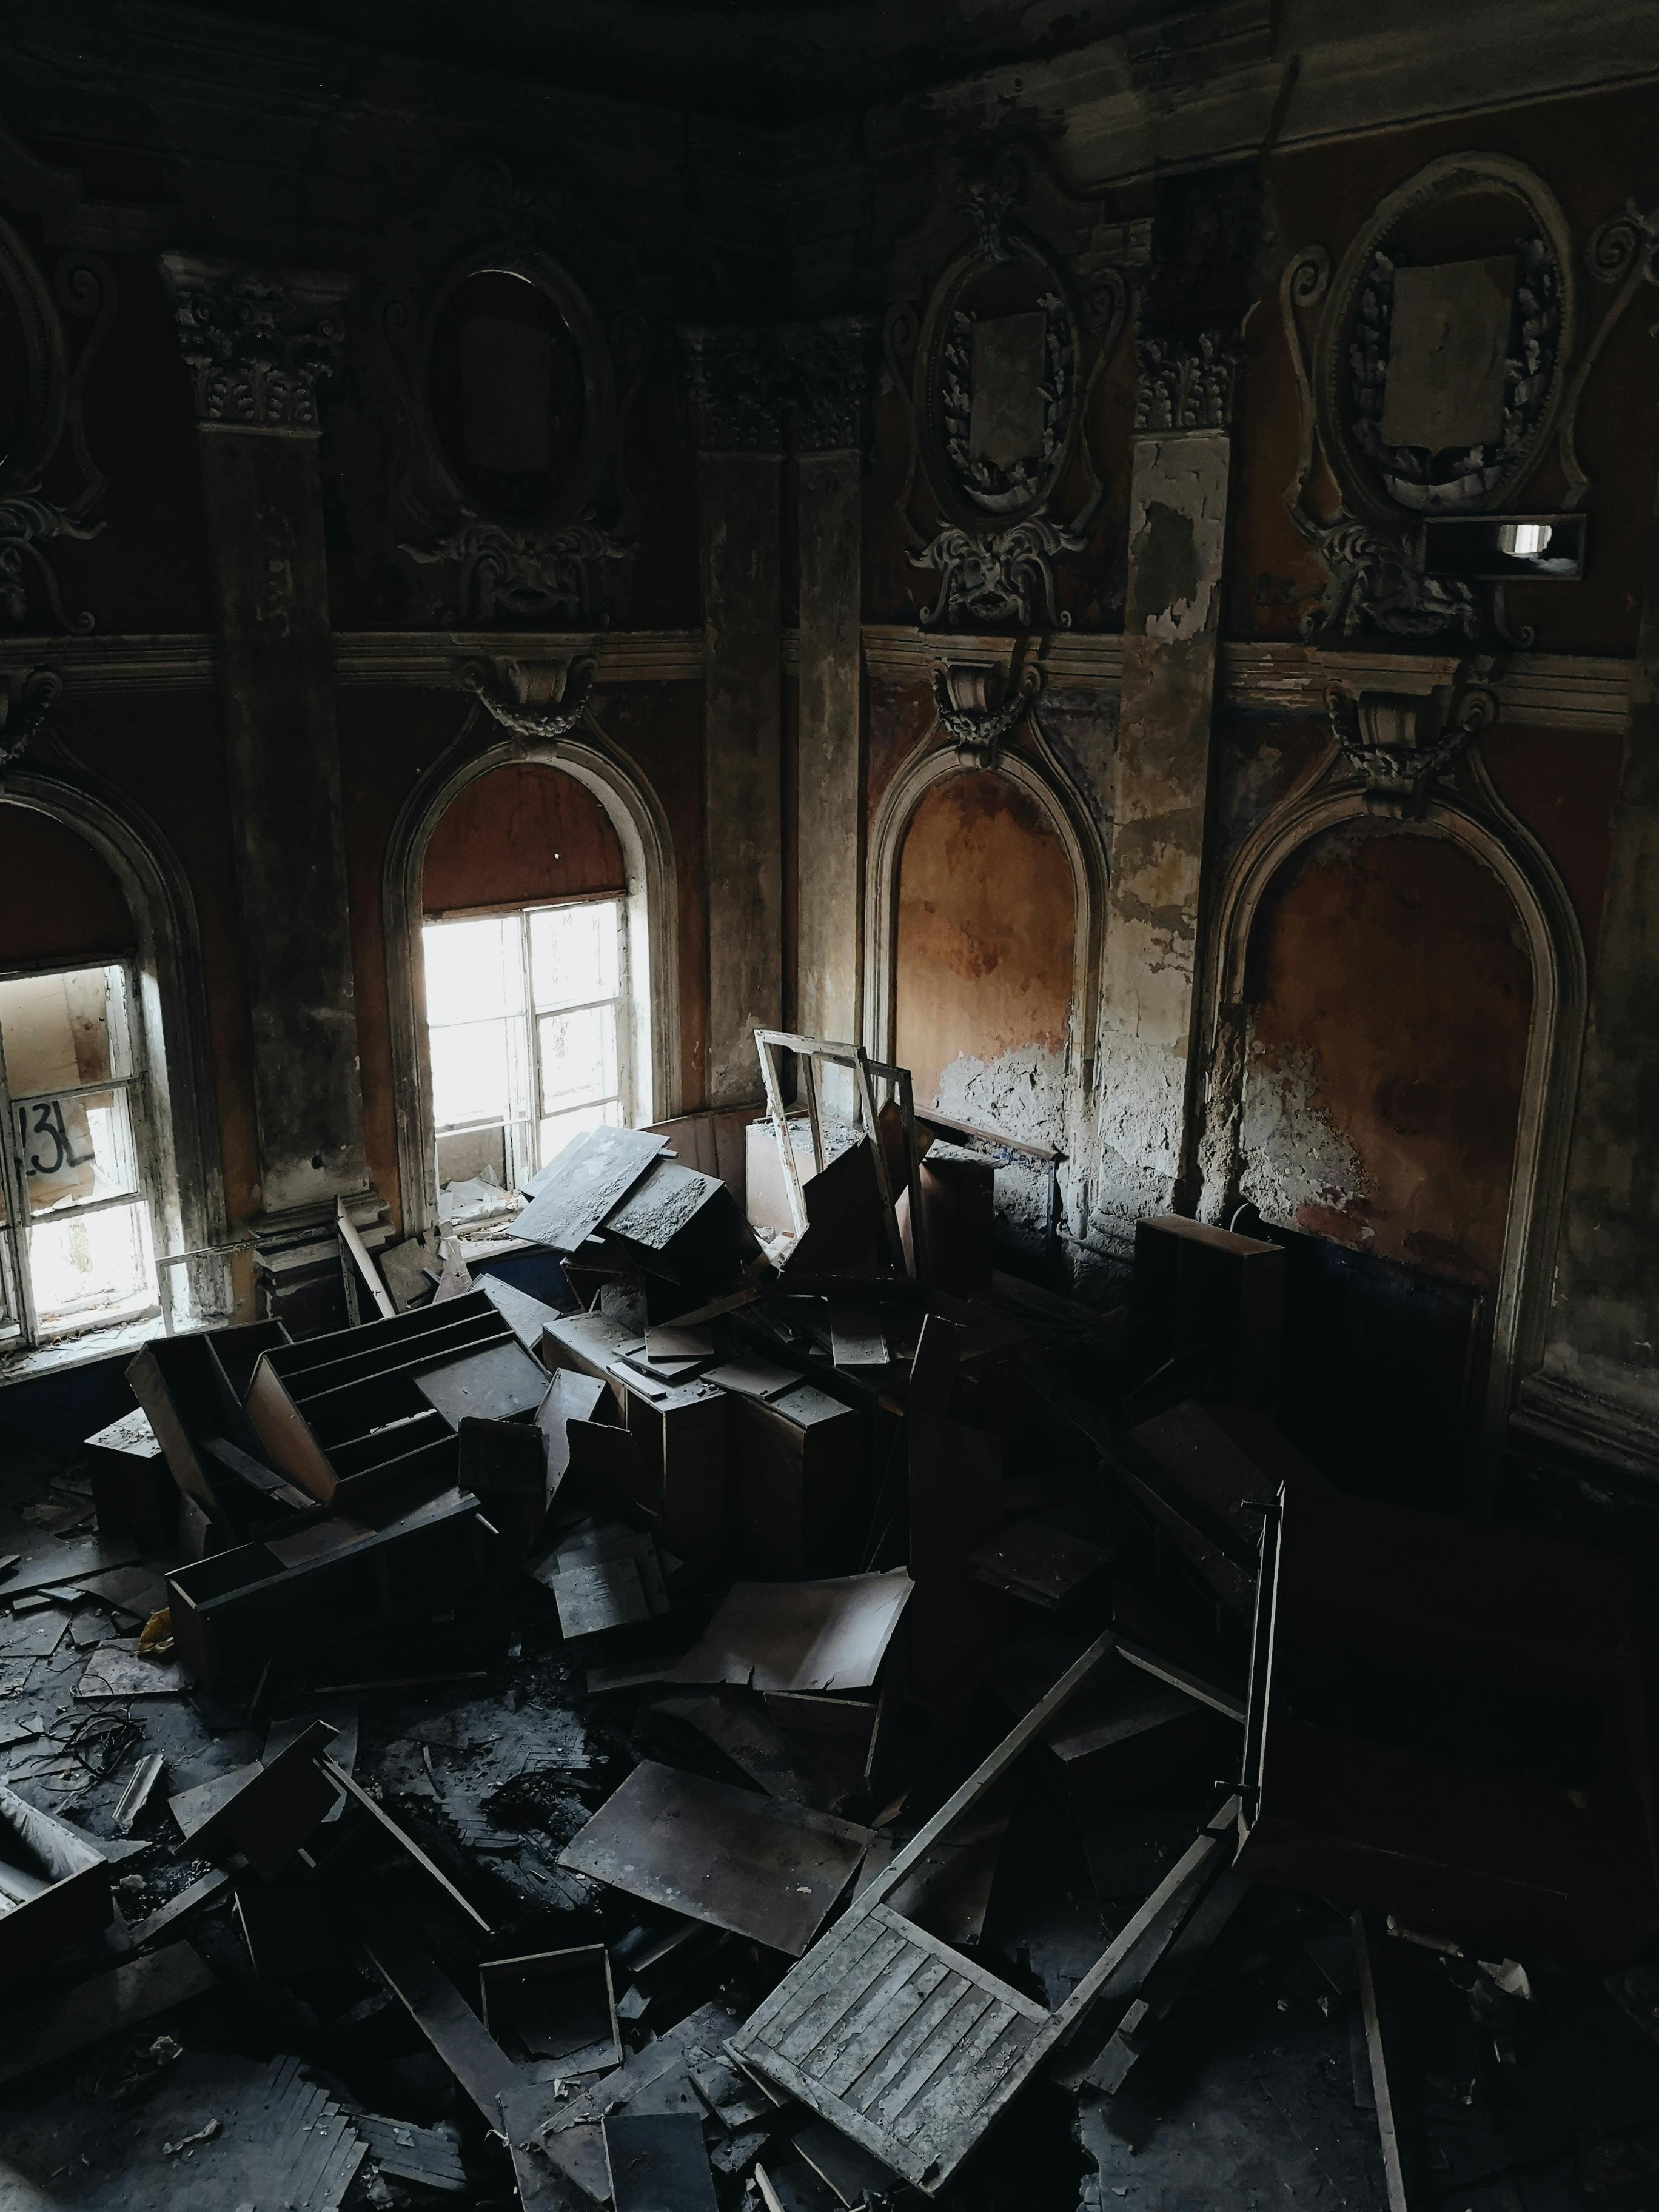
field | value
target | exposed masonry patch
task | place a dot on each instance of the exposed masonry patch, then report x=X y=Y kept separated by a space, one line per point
x=1293 y=1153
x=1022 y=1094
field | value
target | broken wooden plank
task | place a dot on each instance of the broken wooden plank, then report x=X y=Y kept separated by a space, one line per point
x=750 y=1738
x=437 y=2008
x=1394 y=2163
x=1166 y=1982
x=166 y=1916
x=762 y=1869
x=430 y=2156
x=572 y=1193
x=138 y=1991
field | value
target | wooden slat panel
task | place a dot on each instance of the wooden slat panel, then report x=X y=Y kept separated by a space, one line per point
x=883 y=2023
x=876 y=2004
x=941 y=2099
x=923 y=1939
x=839 y=1982
x=926 y=2058
x=893 y=2065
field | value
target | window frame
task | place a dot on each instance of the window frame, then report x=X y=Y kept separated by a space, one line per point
x=21 y=1329
x=521 y=1129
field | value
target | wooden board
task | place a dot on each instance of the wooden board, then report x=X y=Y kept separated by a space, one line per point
x=763 y=1869
x=657 y=2163
x=92 y=2010
x=912 y=2049
x=572 y=1194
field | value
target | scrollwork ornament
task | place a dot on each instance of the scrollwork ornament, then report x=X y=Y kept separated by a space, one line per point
x=547 y=578
x=1005 y=580
x=1399 y=744
x=24 y=709
x=256 y=342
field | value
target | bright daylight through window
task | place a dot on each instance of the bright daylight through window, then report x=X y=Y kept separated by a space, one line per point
x=529 y=1039
x=76 y=1231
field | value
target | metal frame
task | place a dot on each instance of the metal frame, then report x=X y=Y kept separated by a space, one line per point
x=769 y=1043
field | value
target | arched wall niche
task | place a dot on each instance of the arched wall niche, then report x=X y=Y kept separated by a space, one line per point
x=1483 y=830
x=1039 y=786
x=162 y=941
x=646 y=846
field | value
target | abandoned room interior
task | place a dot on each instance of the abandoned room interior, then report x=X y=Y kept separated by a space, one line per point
x=829 y=1060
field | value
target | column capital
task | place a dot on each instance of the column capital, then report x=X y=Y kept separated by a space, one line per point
x=257 y=342
x=1186 y=383
x=757 y=388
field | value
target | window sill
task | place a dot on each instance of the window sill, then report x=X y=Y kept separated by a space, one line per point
x=91 y=1346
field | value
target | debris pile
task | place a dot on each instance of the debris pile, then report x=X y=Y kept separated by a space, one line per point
x=670 y=1718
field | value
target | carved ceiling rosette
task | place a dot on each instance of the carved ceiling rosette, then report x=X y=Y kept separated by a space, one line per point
x=997 y=372
x=49 y=485
x=1446 y=366
x=513 y=396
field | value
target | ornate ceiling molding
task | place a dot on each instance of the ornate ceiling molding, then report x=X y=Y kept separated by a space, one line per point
x=997 y=371
x=256 y=342
x=505 y=575
x=1372 y=545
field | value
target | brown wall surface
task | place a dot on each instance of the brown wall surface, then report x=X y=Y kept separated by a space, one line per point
x=519 y=835
x=1392 y=996
x=985 y=937
x=62 y=902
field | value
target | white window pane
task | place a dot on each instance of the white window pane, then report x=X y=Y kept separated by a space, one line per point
x=63 y=1031
x=76 y=1149
x=472 y=967
x=471 y=1072
x=557 y=1130
x=572 y=952
x=92 y=1266
x=578 y=1055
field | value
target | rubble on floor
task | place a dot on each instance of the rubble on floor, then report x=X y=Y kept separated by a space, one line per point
x=658 y=1725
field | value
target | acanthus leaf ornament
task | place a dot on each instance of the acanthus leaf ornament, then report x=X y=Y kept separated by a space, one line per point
x=256 y=342
x=537 y=701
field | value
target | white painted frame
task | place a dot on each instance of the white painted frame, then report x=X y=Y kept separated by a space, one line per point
x=653 y=906
x=1490 y=833
x=179 y=1142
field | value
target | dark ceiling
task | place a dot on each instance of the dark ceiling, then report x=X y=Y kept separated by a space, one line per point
x=764 y=60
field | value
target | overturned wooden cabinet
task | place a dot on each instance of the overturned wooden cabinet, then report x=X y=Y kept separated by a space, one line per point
x=344 y=1405
x=793 y=1482
x=233 y=1610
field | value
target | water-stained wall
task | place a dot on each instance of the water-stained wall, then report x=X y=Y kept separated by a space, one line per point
x=984 y=954
x=1390 y=998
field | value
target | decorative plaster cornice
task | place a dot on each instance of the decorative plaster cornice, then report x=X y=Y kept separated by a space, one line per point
x=256 y=342
x=1551 y=691
x=1078 y=661
x=417 y=659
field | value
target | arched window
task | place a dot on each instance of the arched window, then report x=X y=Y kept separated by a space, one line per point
x=99 y=1230
x=529 y=982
